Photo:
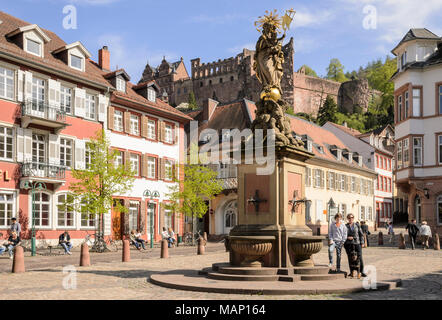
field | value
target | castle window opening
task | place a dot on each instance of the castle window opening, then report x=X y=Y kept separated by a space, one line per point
x=201 y=84
x=232 y=78
x=220 y=80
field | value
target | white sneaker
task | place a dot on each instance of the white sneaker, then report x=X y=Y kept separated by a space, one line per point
x=11 y=257
x=69 y=252
x=330 y=265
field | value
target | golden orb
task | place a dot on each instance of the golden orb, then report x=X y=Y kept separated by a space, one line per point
x=274 y=94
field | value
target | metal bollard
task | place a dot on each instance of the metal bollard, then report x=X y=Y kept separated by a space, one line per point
x=85 y=260
x=380 y=239
x=164 y=249
x=201 y=244
x=126 y=251
x=401 y=241
x=18 y=265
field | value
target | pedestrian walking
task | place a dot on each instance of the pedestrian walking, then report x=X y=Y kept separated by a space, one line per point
x=337 y=235
x=425 y=232
x=365 y=231
x=355 y=238
x=391 y=231
x=412 y=232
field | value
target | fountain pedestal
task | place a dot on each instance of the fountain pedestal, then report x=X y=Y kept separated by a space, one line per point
x=275 y=216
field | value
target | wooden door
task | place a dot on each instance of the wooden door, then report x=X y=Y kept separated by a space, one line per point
x=117 y=222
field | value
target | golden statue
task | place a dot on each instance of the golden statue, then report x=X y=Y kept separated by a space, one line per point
x=269 y=58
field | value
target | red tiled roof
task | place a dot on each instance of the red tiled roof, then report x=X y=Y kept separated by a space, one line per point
x=351 y=131
x=10 y=23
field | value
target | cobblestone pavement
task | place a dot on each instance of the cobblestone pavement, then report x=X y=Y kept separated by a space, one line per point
x=420 y=270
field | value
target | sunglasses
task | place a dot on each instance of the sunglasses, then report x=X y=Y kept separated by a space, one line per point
x=351 y=217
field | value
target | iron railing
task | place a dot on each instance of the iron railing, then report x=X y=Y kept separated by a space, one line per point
x=42 y=170
x=43 y=110
x=229 y=183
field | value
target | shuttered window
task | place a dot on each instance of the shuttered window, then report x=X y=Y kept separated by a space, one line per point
x=6 y=145
x=6 y=83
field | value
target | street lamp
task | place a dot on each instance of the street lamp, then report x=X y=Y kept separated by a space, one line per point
x=33 y=186
x=151 y=195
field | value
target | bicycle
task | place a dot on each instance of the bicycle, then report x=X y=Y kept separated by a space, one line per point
x=100 y=245
x=191 y=239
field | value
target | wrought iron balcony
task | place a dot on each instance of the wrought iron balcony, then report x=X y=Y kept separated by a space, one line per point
x=230 y=183
x=42 y=171
x=38 y=112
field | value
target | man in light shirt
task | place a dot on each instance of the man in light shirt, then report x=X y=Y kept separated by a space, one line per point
x=337 y=234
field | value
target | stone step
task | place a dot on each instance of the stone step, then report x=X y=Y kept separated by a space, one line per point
x=322 y=277
x=248 y=271
x=243 y=277
x=311 y=270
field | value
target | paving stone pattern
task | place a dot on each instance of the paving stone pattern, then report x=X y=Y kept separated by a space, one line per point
x=109 y=278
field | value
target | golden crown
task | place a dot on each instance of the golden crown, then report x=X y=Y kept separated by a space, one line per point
x=272 y=18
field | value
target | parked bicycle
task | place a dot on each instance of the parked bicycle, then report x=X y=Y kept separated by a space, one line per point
x=191 y=239
x=100 y=245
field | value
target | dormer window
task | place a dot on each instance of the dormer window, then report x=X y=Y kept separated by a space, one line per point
x=403 y=59
x=33 y=47
x=151 y=94
x=121 y=85
x=309 y=146
x=76 y=62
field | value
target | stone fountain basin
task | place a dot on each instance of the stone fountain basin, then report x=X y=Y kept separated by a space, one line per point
x=303 y=247
x=253 y=248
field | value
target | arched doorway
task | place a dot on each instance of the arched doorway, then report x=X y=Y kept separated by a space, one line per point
x=230 y=215
x=418 y=209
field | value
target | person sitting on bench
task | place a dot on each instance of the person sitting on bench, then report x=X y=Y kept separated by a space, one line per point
x=64 y=241
x=135 y=239
x=12 y=242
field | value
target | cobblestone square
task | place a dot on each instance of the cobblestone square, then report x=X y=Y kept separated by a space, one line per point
x=110 y=279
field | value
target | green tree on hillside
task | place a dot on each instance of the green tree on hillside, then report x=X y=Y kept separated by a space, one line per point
x=335 y=71
x=327 y=112
x=308 y=71
x=192 y=101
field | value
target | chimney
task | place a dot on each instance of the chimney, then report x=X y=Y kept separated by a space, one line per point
x=209 y=106
x=345 y=124
x=104 y=59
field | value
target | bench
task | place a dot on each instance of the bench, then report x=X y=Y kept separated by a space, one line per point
x=58 y=246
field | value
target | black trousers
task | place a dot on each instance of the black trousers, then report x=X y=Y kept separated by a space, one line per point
x=348 y=248
x=412 y=239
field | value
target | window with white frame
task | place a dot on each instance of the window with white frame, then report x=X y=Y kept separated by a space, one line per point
x=38 y=93
x=134 y=208
x=118 y=120
x=76 y=62
x=168 y=219
x=135 y=163
x=168 y=170
x=439 y=139
x=331 y=180
x=66 y=152
x=151 y=129
x=88 y=156
x=33 y=47
x=343 y=182
x=318 y=177
x=417 y=151
x=399 y=154
x=65 y=210
x=406 y=104
x=90 y=106
x=151 y=95
x=399 y=108
x=151 y=167
x=416 y=102
x=362 y=213
x=119 y=158
x=370 y=213
x=134 y=125
x=6 y=83
x=406 y=155
x=88 y=220
x=121 y=84
x=42 y=211
x=440 y=99
x=439 y=209
x=6 y=143
x=169 y=133
x=66 y=99
x=6 y=208
x=403 y=59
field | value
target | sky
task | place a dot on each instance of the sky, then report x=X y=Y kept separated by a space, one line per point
x=140 y=31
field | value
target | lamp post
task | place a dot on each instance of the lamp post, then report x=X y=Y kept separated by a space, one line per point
x=331 y=205
x=151 y=195
x=33 y=186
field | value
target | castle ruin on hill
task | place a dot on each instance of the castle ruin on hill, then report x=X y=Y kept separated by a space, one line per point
x=233 y=79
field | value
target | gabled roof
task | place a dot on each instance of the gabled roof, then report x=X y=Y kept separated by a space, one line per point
x=117 y=73
x=73 y=45
x=92 y=74
x=415 y=34
x=28 y=28
x=151 y=83
x=348 y=130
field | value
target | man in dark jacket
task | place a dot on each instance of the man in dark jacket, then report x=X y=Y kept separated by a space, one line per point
x=355 y=238
x=364 y=228
x=412 y=232
x=64 y=241
x=13 y=241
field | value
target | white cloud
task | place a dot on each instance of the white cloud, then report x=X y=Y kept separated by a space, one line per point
x=92 y=2
x=238 y=49
x=305 y=18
